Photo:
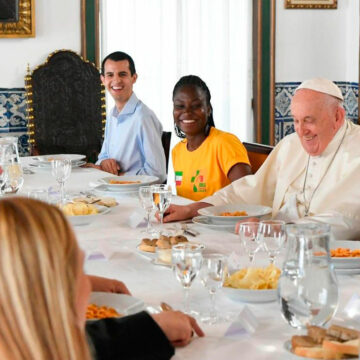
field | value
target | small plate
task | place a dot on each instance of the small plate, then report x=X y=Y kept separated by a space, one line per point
x=87 y=219
x=213 y=212
x=139 y=180
x=250 y=296
x=207 y=222
x=288 y=347
x=147 y=254
x=345 y=262
x=46 y=159
x=123 y=304
x=103 y=189
x=47 y=166
x=340 y=271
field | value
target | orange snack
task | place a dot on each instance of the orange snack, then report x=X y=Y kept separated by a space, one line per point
x=121 y=182
x=234 y=213
x=100 y=312
x=343 y=252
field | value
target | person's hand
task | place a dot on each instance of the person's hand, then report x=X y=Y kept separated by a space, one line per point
x=178 y=327
x=181 y=212
x=110 y=166
x=91 y=165
x=250 y=219
x=99 y=283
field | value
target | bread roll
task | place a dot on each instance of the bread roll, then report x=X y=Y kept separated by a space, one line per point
x=148 y=245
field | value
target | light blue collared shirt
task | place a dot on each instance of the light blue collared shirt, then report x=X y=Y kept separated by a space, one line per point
x=133 y=139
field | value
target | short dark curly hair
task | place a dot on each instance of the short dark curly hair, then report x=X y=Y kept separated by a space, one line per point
x=119 y=56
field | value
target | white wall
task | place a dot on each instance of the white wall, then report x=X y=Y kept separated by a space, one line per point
x=317 y=43
x=57 y=27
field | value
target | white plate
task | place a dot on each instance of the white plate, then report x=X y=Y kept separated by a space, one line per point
x=288 y=347
x=207 y=222
x=250 y=296
x=47 y=166
x=147 y=254
x=87 y=219
x=213 y=212
x=143 y=180
x=347 y=271
x=124 y=304
x=103 y=190
x=46 y=159
x=346 y=263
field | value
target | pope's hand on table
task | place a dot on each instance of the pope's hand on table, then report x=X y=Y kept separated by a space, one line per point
x=110 y=166
x=250 y=219
x=99 y=283
x=178 y=327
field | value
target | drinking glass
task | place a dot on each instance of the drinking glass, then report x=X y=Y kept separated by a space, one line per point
x=212 y=275
x=307 y=288
x=186 y=259
x=61 y=170
x=272 y=235
x=146 y=200
x=161 y=198
x=248 y=232
x=15 y=179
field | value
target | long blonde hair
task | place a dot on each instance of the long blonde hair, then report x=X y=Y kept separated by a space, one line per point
x=38 y=269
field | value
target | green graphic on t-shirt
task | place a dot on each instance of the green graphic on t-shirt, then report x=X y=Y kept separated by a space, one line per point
x=201 y=185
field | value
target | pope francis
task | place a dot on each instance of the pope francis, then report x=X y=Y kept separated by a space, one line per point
x=310 y=175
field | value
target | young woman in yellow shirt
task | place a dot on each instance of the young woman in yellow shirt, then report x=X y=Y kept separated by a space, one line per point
x=207 y=159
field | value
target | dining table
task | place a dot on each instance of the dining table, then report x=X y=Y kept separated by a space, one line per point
x=254 y=331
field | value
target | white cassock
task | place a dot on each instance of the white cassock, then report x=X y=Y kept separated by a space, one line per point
x=332 y=191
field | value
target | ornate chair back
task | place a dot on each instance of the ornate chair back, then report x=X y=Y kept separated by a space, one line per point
x=66 y=106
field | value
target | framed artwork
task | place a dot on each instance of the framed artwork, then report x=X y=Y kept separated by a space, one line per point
x=17 y=18
x=311 y=4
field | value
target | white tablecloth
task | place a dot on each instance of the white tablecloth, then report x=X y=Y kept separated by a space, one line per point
x=111 y=233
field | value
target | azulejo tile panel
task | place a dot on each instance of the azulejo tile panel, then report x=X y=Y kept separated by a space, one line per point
x=284 y=92
x=13 y=116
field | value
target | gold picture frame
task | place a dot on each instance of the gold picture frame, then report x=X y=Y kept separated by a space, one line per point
x=21 y=22
x=310 y=4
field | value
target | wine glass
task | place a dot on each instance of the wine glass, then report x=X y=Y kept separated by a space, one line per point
x=272 y=236
x=146 y=200
x=307 y=289
x=15 y=179
x=212 y=275
x=161 y=198
x=186 y=259
x=61 y=170
x=248 y=232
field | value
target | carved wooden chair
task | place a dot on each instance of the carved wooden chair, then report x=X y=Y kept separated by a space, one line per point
x=166 y=139
x=257 y=154
x=66 y=106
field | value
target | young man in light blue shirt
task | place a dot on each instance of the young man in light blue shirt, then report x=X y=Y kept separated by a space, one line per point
x=132 y=143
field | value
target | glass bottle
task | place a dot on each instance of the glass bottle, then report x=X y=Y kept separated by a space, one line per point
x=308 y=291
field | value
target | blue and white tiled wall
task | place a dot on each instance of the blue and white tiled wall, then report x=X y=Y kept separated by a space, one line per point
x=284 y=92
x=13 y=117
x=13 y=110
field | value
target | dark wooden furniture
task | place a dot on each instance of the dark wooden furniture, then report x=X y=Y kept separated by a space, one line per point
x=66 y=106
x=257 y=154
x=166 y=139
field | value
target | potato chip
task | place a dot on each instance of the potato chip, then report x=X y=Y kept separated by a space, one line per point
x=254 y=278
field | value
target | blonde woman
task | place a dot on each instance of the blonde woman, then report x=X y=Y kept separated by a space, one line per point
x=44 y=294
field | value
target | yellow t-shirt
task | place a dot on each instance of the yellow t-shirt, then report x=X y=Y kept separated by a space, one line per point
x=201 y=172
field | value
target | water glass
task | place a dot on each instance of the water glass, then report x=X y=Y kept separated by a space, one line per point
x=307 y=288
x=248 y=233
x=146 y=200
x=272 y=236
x=212 y=275
x=186 y=259
x=61 y=170
x=15 y=178
x=161 y=198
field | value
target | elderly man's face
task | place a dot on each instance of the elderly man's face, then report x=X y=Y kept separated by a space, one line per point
x=316 y=119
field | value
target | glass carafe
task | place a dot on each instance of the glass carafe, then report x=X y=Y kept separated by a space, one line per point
x=12 y=164
x=308 y=291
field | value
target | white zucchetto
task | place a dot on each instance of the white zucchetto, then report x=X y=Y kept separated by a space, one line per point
x=322 y=85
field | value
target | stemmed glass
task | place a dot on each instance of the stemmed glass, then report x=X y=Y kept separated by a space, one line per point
x=61 y=170
x=161 y=198
x=248 y=232
x=212 y=275
x=146 y=200
x=186 y=259
x=272 y=235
